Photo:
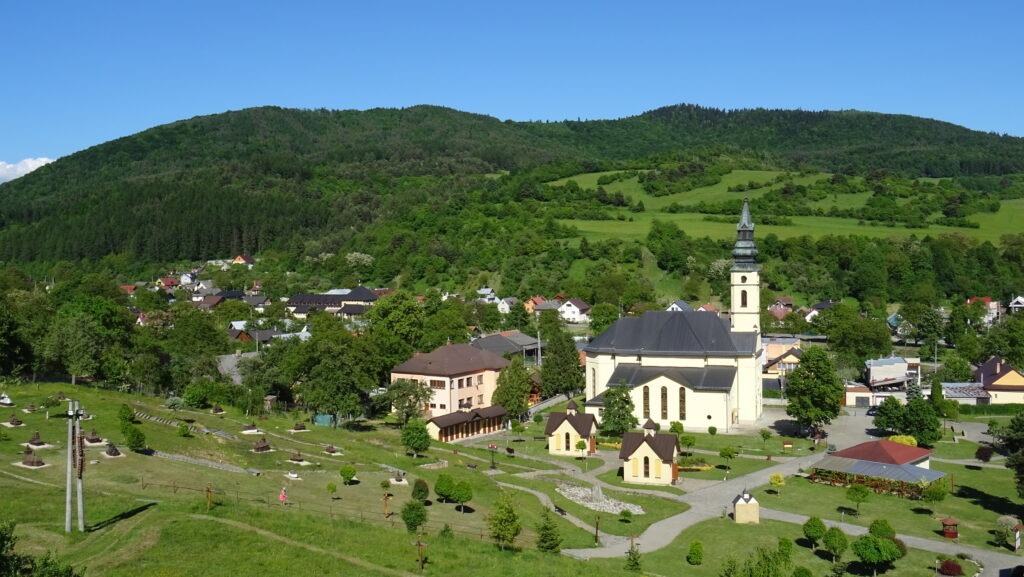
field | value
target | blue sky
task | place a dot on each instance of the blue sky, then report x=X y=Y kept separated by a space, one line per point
x=82 y=73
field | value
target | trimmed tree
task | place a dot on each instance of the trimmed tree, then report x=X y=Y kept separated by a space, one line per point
x=835 y=542
x=633 y=559
x=414 y=515
x=696 y=554
x=462 y=493
x=858 y=494
x=420 y=490
x=134 y=439
x=504 y=522
x=875 y=552
x=777 y=481
x=581 y=446
x=765 y=435
x=687 y=440
x=347 y=472
x=814 y=390
x=727 y=453
x=618 y=414
x=881 y=528
x=548 y=538
x=444 y=487
x=814 y=530
x=415 y=436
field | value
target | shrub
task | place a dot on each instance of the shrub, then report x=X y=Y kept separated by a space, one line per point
x=125 y=414
x=881 y=528
x=676 y=427
x=347 y=472
x=385 y=484
x=332 y=488
x=904 y=440
x=899 y=545
x=444 y=487
x=696 y=554
x=414 y=514
x=133 y=438
x=175 y=403
x=420 y=490
x=446 y=532
x=538 y=418
x=195 y=396
x=712 y=430
x=786 y=547
x=183 y=430
x=626 y=516
x=984 y=453
x=802 y=572
x=951 y=567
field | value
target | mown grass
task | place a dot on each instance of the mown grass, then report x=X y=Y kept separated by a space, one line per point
x=982 y=495
x=722 y=538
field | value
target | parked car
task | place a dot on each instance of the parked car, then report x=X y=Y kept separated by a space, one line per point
x=871 y=411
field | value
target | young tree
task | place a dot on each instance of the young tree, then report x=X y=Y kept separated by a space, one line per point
x=462 y=493
x=420 y=490
x=834 y=541
x=332 y=488
x=513 y=388
x=415 y=437
x=444 y=487
x=414 y=515
x=786 y=549
x=727 y=453
x=618 y=411
x=409 y=398
x=954 y=369
x=518 y=318
x=814 y=530
x=504 y=522
x=814 y=390
x=347 y=472
x=696 y=554
x=125 y=414
x=765 y=435
x=548 y=538
x=688 y=441
x=633 y=559
x=858 y=494
x=581 y=446
x=134 y=439
x=875 y=552
x=881 y=528
x=891 y=415
x=777 y=481
x=935 y=492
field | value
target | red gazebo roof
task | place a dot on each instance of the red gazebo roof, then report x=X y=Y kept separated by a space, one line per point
x=886 y=452
x=949 y=521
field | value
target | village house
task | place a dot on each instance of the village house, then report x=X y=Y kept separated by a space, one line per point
x=817 y=307
x=892 y=372
x=1016 y=305
x=461 y=376
x=649 y=458
x=679 y=306
x=574 y=311
x=462 y=424
x=531 y=304
x=691 y=367
x=964 y=393
x=505 y=305
x=1003 y=382
x=991 y=309
x=565 y=430
x=781 y=307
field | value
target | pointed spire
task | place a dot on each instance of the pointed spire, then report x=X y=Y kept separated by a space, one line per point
x=744 y=252
x=571 y=407
x=650 y=428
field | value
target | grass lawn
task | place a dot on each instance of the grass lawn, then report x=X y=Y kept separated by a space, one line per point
x=961 y=449
x=722 y=539
x=982 y=495
x=753 y=445
x=655 y=508
x=721 y=467
x=131 y=532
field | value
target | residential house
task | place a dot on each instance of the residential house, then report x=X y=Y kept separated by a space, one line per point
x=781 y=307
x=244 y=259
x=168 y=282
x=817 y=307
x=511 y=343
x=461 y=376
x=679 y=306
x=129 y=288
x=565 y=430
x=892 y=372
x=1016 y=305
x=649 y=458
x=775 y=347
x=531 y=303
x=505 y=305
x=574 y=311
x=462 y=424
x=692 y=367
x=991 y=309
x=331 y=301
x=208 y=303
x=1002 y=381
x=964 y=393
x=784 y=364
x=232 y=295
x=551 y=305
x=258 y=302
x=188 y=278
x=227 y=365
x=486 y=295
x=707 y=308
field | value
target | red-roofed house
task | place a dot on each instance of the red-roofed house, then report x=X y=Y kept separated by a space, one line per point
x=531 y=303
x=128 y=288
x=168 y=282
x=887 y=452
x=991 y=309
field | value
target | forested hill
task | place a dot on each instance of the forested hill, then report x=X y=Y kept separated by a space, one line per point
x=268 y=177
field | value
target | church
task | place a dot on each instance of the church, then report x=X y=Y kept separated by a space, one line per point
x=688 y=366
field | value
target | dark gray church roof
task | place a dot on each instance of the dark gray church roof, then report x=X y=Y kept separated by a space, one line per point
x=663 y=333
x=701 y=379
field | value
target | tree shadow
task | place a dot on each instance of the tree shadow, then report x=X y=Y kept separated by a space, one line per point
x=358 y=425
x=996 y=504
x=465 y=509
x=620 y=472
x=847 y=511
x=876 y=432
x=427 y=502
x=973 y=467
x=772 y=492
x=922 y=511
x=804 y=542
x=121 y=517
x=786 y=428
x=823 y=555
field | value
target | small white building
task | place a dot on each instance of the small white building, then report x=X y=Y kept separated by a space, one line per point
x=574 y=311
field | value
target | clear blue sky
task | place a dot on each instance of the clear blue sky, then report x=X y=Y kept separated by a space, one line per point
x=81 y=73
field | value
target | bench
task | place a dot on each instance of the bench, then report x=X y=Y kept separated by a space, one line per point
x=540 y=438
x=511 y=452
x=559 y=510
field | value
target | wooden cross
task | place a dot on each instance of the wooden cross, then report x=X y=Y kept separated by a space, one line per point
x=386 y=498
x=420 y=545
x=209 y=496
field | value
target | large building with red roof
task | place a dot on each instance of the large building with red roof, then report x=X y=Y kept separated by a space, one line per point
x=462 y=377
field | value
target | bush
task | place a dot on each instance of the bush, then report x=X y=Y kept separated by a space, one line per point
x=125 y=414
x=175 y=403
x=538 y=418
x=195 y=396
x=696 y=554
x=347 y=472
x=332 y=488
x=414 y=515
x=899 y=545
x=676 y=428
x=984 y=453
x=626 y=516
x=786 y=547
x=712 y=430
x=881 y=528
x=420 y=490
x=183 y=430
x=133 y=438
x=802 y=572
x=446 y=532
x=951 y=567
x=444 y=486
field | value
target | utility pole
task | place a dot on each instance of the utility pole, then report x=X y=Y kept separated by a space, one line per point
x=80 y=455
x=76 y=466
x=71 y=466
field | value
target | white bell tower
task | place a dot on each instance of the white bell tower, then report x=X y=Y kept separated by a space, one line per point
x=745 y=279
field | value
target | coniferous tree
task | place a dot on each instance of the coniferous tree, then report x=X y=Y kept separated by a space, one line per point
x=513 y=388
x=561 y=372
x=548 y=538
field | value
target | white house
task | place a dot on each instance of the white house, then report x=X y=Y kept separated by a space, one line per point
x=679 y=306
x=1016 y=305
x=486 y=295
x=574 y=311
x=505 y=305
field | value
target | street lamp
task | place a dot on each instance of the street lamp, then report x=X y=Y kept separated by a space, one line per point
x=493 y=449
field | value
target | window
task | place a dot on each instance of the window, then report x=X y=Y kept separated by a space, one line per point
x=743 y=299
x=479 y=399
x=647 y=402
x=433 y=406
x=682 y=403
x=567 y=441
x=435 y=384
x=664 y=403
x=443 y=406
x=647 y=467
x=479 y=380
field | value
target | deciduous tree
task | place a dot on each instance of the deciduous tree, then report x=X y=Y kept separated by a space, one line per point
x=415 y=437
x=409 y=398
x=513 y=388
x=618 y=414
x=814 y=390
x=504 y=522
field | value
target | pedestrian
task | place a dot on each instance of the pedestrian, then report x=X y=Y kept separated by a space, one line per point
x=283 y=497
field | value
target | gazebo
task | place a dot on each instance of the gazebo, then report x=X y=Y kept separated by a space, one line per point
x=949 y=528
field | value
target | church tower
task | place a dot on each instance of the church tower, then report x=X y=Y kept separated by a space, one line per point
x=745 y=278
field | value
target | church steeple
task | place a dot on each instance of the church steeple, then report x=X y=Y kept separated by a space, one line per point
x=744 y=252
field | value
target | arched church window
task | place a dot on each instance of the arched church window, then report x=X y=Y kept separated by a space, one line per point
x=664 y=403
x=647 y=402
x=682 y=403
x=743 y=299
